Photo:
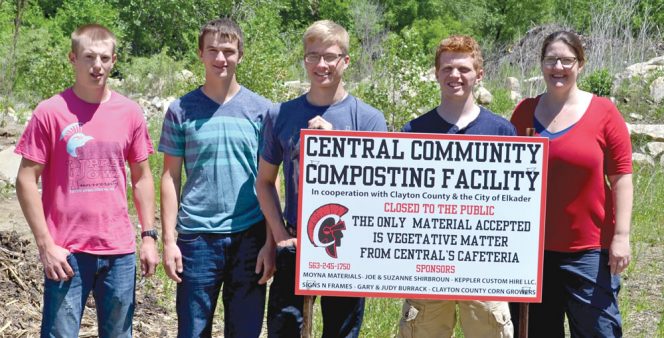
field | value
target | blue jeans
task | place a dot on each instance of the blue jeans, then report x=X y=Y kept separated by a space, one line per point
x=579 y=285
x=342 y=316
x=110 y=278
x=211 y=261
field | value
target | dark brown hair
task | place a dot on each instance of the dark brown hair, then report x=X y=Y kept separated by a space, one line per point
x=226 y=28
x=568 y=38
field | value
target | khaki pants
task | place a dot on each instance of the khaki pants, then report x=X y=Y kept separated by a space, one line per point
x=437 y=318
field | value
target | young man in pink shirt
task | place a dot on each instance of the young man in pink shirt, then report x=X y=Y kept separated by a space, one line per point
x=78 y=142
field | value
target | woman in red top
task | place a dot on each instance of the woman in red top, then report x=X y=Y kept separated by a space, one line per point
x=589 y=197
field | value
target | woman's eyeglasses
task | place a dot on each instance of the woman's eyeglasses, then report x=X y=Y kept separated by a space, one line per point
x=566 y=62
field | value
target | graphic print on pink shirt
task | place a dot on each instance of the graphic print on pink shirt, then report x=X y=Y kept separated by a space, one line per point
x=73 y=135
x=97 y=168
x=94 y=167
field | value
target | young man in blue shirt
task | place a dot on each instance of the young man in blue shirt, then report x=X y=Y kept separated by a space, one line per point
x=458 y=70
x=327 y=106
x=221 y=235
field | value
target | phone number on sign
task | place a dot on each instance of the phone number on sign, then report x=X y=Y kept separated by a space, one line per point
x=329 y=266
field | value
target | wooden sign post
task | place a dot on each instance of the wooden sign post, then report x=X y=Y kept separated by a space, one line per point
x=308 y=316
x=524 y=307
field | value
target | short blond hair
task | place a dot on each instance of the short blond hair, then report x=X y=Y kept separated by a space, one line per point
x=91 y=32
x=461 y=44
x=327 y=32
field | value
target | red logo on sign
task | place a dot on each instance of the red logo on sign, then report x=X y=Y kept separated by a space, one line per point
x=325 y=227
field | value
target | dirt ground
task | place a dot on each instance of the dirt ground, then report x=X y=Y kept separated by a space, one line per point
x=21 y=287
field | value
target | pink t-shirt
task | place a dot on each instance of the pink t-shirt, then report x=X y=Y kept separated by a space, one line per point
x=83 y=148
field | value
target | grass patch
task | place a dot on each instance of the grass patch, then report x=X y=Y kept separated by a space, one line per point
x=156 y=159
x=381 y=317
x=647 y=216
x=502 y=104
x=641 y=298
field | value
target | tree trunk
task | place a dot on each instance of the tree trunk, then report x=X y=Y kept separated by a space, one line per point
x=20 y=9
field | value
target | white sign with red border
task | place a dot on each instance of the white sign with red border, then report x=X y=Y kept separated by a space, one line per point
x=432 y=216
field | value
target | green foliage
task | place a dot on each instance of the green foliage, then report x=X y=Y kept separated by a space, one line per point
x=506 y=19
x=649 y=11
x=501 y=104
x=40 y=59
x=630 y=99
x=659 y=113
x=159 y=75
x=425 y=34
x=44 y=75
x=398 y=87
x=295 y=14
x=6 y=39
x=267 y=58
x=23 y=51
x=400 y=13
x=647 y=214
x=579 y=11
x=381 y=318
x=74 y=13
x=6 y=17
x=49 y=7
x=154 y=24
x=337 y=11
x=599 y=82
x=156 y=160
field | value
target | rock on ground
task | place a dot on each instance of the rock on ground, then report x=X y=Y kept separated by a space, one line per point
x=9 y=163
